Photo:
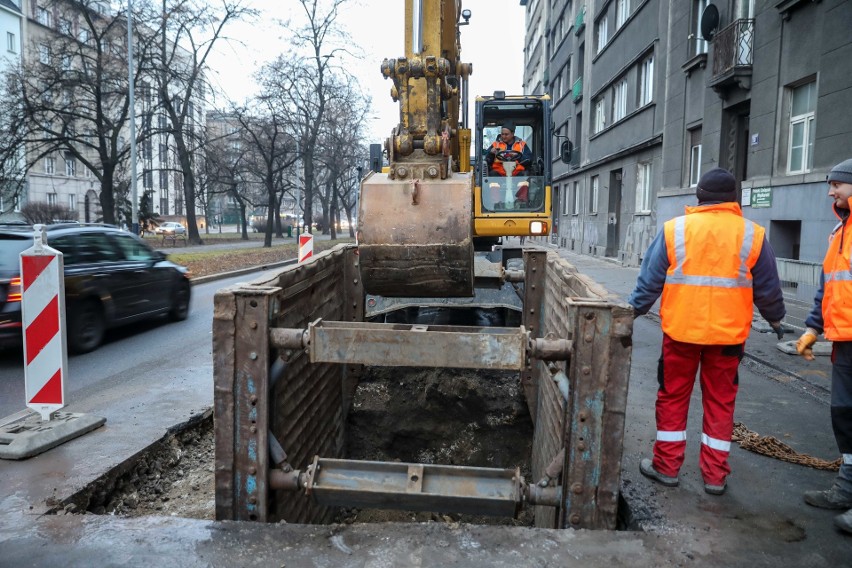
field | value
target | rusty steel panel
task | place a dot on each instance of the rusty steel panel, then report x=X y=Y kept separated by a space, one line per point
x=399 y=345
x=303 y=409
x=416 y=236
x=241 y=380
x=417 y=487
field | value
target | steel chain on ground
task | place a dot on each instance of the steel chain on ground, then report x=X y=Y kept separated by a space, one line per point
x=772 y=447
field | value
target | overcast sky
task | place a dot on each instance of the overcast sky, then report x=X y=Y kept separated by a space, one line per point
x=493 y=43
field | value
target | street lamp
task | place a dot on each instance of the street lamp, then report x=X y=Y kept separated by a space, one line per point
x=134 y=201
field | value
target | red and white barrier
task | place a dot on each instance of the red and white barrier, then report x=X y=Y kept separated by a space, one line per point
x=43 y=318
x=306 y=247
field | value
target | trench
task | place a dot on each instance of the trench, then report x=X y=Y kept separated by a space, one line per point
x=476 y=418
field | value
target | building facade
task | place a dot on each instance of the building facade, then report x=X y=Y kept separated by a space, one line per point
x=655 y=100
x=11 y=51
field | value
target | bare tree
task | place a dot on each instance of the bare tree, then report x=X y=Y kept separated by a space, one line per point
x=188 y=31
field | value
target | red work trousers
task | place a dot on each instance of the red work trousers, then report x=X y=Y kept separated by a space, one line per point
x=719 y=383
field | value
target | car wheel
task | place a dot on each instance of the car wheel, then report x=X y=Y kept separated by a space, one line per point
x=180 y=303
x=86 y=327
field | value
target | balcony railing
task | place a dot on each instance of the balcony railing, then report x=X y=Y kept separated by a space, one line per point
x=577 y=89
x=733 y=48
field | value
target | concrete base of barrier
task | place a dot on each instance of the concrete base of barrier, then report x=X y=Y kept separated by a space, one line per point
x=27 y=435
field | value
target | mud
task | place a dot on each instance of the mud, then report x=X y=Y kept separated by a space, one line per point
x=436 y=416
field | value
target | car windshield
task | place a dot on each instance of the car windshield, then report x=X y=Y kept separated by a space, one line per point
x=511 y=193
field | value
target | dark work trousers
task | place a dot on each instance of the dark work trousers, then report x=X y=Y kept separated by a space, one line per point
x=719 y=383
x=841 y=410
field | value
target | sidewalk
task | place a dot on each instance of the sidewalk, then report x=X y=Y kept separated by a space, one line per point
x=760 y=521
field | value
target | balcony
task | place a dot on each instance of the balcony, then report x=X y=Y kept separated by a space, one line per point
x=733 y=54
x=577 y=90
x=580 y=21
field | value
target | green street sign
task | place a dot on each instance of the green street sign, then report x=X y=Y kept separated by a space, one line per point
x=761 y=197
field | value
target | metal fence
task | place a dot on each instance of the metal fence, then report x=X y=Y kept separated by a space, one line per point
x=799 y=282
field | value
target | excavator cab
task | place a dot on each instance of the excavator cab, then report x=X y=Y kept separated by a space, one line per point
x=512 y=180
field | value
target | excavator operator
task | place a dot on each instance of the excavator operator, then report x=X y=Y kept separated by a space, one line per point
x=508 y=148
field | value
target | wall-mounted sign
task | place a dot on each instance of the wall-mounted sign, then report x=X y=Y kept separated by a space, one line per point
x=755 y=139
x=746 y=198
x=761 y=197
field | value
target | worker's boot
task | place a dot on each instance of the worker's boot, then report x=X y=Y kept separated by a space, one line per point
x=713 y=489
x=829 y=499
x=646 y=466
x=844 y=522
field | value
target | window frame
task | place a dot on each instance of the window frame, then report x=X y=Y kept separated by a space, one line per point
x=808 y=122
x=622 y=13
x=643 y=188
x=645 y=84
x=619 y=100
x=601 y=33
x=50 y=165
x=594 y=194
x=70 y=166
x=11 y=44
x=600 y=115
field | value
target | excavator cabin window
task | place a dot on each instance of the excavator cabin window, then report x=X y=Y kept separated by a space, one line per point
x=511 y=176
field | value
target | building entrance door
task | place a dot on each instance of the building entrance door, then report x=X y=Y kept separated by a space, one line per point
x=613 y=218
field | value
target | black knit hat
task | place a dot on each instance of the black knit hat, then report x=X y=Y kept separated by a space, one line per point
x=717 y=185
x=842 y=172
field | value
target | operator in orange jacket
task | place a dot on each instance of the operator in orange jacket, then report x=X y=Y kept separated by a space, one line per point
x=711 y=265
x=508 y=147
x=832 y=315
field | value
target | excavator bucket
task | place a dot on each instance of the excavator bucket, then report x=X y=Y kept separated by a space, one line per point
x=415 y=237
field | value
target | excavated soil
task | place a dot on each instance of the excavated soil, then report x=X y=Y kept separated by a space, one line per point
x=435 y=416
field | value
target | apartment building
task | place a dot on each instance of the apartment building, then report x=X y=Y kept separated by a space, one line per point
x=56 y=33
x=651 y=100
x=11 y=50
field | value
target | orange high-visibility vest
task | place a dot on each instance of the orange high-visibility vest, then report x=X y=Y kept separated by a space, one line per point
x=837 y=287
x=707 y=297
x=517 y=146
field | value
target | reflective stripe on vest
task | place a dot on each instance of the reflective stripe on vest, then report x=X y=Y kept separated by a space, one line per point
x=678 y=277
x=715 y=443
x=676 y=436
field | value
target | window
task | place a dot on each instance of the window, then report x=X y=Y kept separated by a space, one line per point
x=70 y=166
x=576 y=188
x=643 y=188
x=11 y=43
x=51 y=199
x=43 y=16
x=557 y=86
x=72 y=201
x=622 y=11
x=646 y=81
x=49 y=166
x=594 y=191
x=87 y=172
x=164 y=180
x=83 y=35
x=619 y=100
x=601 y=33
x=164 y=154
x=164 y=206
x=576 y=209
x=44 y=53
x=694 y=156
x=66 y=62
x=697 y=45
x=802 y=128
x=65 y=26
x=600 y=115
x=147 y=179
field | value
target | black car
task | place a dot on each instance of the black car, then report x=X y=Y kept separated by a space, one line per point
x=112 y=278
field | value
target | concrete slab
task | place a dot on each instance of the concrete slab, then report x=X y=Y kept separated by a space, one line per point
x=29 y=435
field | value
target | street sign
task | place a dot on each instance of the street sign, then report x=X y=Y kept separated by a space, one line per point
x=306 y=247
x=761 y=197
x=43 y=319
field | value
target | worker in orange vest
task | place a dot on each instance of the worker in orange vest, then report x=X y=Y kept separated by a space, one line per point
x=508 y=147
x=832 y=316
x=711 y=265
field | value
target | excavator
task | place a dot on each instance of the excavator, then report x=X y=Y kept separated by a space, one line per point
x=422 y=221
x=291 y=347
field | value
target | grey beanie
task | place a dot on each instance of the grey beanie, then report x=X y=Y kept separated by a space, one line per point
x=717 y=185
x=842 y=172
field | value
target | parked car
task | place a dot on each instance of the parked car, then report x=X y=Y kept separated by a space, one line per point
x=112 y=278
x=169 y=228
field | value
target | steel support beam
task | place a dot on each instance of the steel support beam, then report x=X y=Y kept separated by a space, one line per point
x=415 y=487
x=402 y=345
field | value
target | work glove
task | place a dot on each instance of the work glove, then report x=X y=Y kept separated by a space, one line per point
x=776 y=327
x=805 y=344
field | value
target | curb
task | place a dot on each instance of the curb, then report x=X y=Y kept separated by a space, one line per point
x=240 y=272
